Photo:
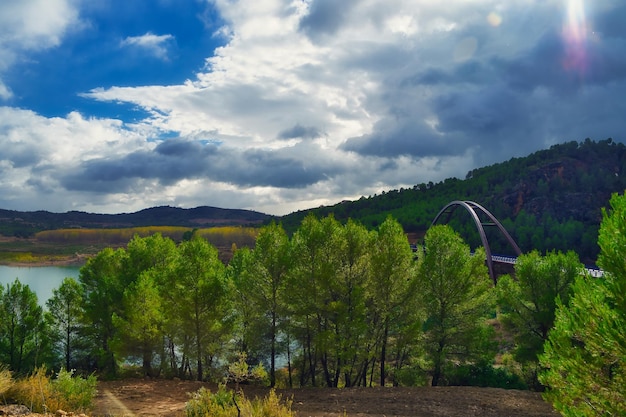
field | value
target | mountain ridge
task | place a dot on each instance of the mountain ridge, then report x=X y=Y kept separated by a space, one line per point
x=25 y=223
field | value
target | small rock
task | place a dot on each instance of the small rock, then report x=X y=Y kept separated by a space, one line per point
x=14 y=410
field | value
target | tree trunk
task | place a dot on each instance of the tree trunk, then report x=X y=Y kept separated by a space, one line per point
x=437 y=365
x=67 y=348
x=383 y=354
x=199 y=345
x=289 y=361
x=273 y=352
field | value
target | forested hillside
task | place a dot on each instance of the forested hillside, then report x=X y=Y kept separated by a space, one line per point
x=551 y=199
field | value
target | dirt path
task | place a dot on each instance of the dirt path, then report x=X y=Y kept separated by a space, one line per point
x=113 y=406
x=141 y=398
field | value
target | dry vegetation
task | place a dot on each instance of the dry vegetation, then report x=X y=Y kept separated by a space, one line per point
x=74 y=246
x=42 y=394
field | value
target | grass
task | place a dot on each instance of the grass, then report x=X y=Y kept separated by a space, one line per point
x=6 y=381
x=42 y=394
x=228 y=403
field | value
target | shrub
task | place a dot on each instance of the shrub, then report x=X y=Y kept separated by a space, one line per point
x=269 y=406
x=34 y=391
x=484 y=375
x=77 y=392
x=205 y=403
x=239 y=372
x=43 y=395
x=227 y=403
x=6 y=382
x=411 y=376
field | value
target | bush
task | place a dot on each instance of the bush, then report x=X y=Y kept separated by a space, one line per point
x=239 y=371
x=227 y=403
x=484 y=375
x=43 y=395
x=412 y=376
x=34 y=391
x=6 y=382
x=78 y=393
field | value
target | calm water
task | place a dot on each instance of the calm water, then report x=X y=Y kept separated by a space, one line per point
x=41 y=279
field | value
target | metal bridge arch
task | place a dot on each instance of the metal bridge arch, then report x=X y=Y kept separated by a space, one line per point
x=474 y=209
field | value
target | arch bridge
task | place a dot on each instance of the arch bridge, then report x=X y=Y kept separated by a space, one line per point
x=482 y=218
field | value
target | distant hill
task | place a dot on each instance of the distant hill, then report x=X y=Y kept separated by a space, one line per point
x=549 y=200
x=25 y=224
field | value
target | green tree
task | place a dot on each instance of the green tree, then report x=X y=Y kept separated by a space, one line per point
x=147 y=253
x=391 y=288
x=23 y=333
x=585 y=354
x=146 y=271
x=457 y=294
x=314 y=269
x=139 y=331
x=103 y=291
x=352 y=346
x=528 y=302
x=66 y=311
x=200 y=295
x=266 y=284
x=237 y=272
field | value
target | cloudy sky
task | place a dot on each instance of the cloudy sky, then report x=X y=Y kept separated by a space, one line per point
x=278 y=105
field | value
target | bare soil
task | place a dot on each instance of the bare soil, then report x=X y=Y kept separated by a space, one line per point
x=167 y=398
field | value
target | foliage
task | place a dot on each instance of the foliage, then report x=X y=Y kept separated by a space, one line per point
x=240 y=372
x=225 y=403
x=140 y=328
x=24 y=341
x=483 y=374
x=76 y=392
x=265 y=284
x=338 y=302
x=457 y=296
x=349 y=302
x=66 y=316
x=66 y=392
x=585 y=352
x=100 y=279
x=528 y=302
x=200 y=291
x=392 y=287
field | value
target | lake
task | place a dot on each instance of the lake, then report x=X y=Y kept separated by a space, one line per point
x=41 y=279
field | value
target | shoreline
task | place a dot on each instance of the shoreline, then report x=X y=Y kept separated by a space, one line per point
x=77 y=261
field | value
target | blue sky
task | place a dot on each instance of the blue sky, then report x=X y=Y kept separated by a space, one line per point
x=279 y=105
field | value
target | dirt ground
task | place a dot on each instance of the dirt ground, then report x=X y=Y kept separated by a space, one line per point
x=167 y=398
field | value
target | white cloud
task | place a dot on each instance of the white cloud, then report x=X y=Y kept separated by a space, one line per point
x=156 y=45
x=31 y=25
x=312 y=102
x=36 y=151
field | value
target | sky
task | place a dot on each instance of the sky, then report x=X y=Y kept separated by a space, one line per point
x=113 y=106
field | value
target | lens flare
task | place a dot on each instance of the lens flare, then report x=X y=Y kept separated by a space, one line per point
x=494 y=19
x=575 y=38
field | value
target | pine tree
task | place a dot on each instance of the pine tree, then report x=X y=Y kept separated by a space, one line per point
x=585 y=355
